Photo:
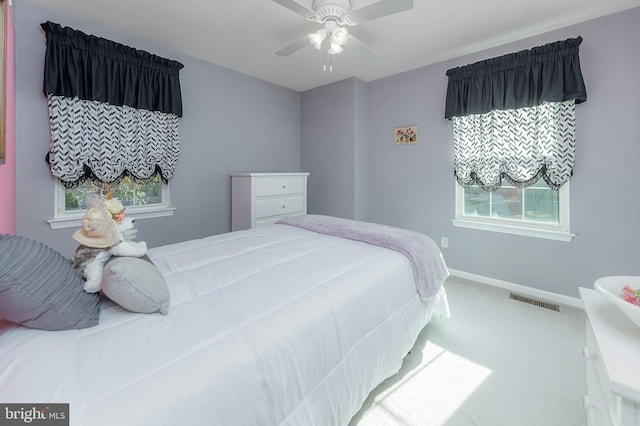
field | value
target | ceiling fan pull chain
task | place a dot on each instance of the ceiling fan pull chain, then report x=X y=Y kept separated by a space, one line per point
x=324 y=60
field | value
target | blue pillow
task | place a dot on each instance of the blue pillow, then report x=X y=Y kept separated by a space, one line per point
x=40 y=288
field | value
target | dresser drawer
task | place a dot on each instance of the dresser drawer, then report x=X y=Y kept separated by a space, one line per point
x=261 y=199
x=280 y=206
x=278 y=186
x=597 y=369
x=595 y=401
x=269 y=221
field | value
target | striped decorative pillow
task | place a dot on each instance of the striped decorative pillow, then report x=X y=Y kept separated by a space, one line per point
x=39 y=288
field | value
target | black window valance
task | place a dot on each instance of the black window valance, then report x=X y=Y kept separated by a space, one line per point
x=549 y=73
x=92 y=68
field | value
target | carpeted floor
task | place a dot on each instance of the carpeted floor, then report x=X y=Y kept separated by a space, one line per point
x=495 y=362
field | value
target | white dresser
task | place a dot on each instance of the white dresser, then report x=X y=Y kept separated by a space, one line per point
x=612 y=356
x=259 y=199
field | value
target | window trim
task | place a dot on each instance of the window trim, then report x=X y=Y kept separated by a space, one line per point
x=70 y=220
x=558 y=232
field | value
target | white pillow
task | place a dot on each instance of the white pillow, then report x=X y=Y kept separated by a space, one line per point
x=136 y=284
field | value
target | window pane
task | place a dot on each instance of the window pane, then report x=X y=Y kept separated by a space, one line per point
x=124 y=192
x=541 y=204
x=537 y=203
x=127 y=191
x=476 y=201
x=507 y=203
x=75 y=198
x=149 y=193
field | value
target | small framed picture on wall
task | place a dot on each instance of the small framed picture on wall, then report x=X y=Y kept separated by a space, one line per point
x=406 y=135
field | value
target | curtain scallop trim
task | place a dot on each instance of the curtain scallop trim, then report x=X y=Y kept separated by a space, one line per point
x=102 y=142
x=521 y=146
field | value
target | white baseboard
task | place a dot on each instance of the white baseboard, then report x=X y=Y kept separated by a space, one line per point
x=521 y=289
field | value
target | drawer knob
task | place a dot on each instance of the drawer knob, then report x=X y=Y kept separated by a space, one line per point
x=284 y=207
x=588 y=355
x=284 y=186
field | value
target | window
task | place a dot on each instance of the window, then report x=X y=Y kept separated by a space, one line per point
x=101 y=130
x=513 y=121
x=536 y=210
x=141 y=200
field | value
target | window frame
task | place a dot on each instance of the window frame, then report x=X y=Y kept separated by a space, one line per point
x=558 y=232
x=62 y=219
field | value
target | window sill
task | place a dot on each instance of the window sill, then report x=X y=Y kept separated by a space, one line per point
x=528 y=231
x=75 y=221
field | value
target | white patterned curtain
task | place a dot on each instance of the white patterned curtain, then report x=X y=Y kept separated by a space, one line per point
x=514 y=116
x=111 y=141
x=521 y=145
x=113 y=110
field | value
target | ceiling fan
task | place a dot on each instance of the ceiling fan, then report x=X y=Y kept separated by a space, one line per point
x=335 y=16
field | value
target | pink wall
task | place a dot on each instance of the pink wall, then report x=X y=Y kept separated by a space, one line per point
x=8 y=169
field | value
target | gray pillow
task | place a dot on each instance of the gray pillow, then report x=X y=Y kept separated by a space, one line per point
x=39 y=288
x=135 y=284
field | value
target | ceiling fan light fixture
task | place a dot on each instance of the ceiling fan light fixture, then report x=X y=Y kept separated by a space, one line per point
x=335 y=16
x=317 y=38
x=339 y=35
x=335 y=49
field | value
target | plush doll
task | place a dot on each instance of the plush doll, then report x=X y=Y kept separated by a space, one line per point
x=102 y=237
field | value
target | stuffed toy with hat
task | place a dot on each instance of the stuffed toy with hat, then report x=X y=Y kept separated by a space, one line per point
x=105 y=232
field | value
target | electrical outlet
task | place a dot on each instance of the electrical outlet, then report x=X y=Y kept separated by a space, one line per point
x=444 y=242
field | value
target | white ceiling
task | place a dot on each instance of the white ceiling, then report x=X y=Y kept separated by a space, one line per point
x=244 y=35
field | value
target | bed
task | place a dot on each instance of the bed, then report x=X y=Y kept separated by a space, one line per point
x=279 y=325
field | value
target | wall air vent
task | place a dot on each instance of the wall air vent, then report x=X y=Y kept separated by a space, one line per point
x=535 y=302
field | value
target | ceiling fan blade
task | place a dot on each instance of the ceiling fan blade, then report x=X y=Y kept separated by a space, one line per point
x=361 y=49
x=292 y=48
x=297 y=7
x=379 y=9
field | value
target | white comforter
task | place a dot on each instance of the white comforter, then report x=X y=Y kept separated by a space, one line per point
x=270 y=326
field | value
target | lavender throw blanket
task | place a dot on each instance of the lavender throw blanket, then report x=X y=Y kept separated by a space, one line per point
x=429 y=269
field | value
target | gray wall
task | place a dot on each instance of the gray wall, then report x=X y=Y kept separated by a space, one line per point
x=343 y=135
x=328 y=147
x=361 y=152
x=413 y=186
x=231 y=123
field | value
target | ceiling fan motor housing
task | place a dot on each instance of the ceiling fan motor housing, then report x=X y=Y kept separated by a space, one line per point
x=331 y=10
